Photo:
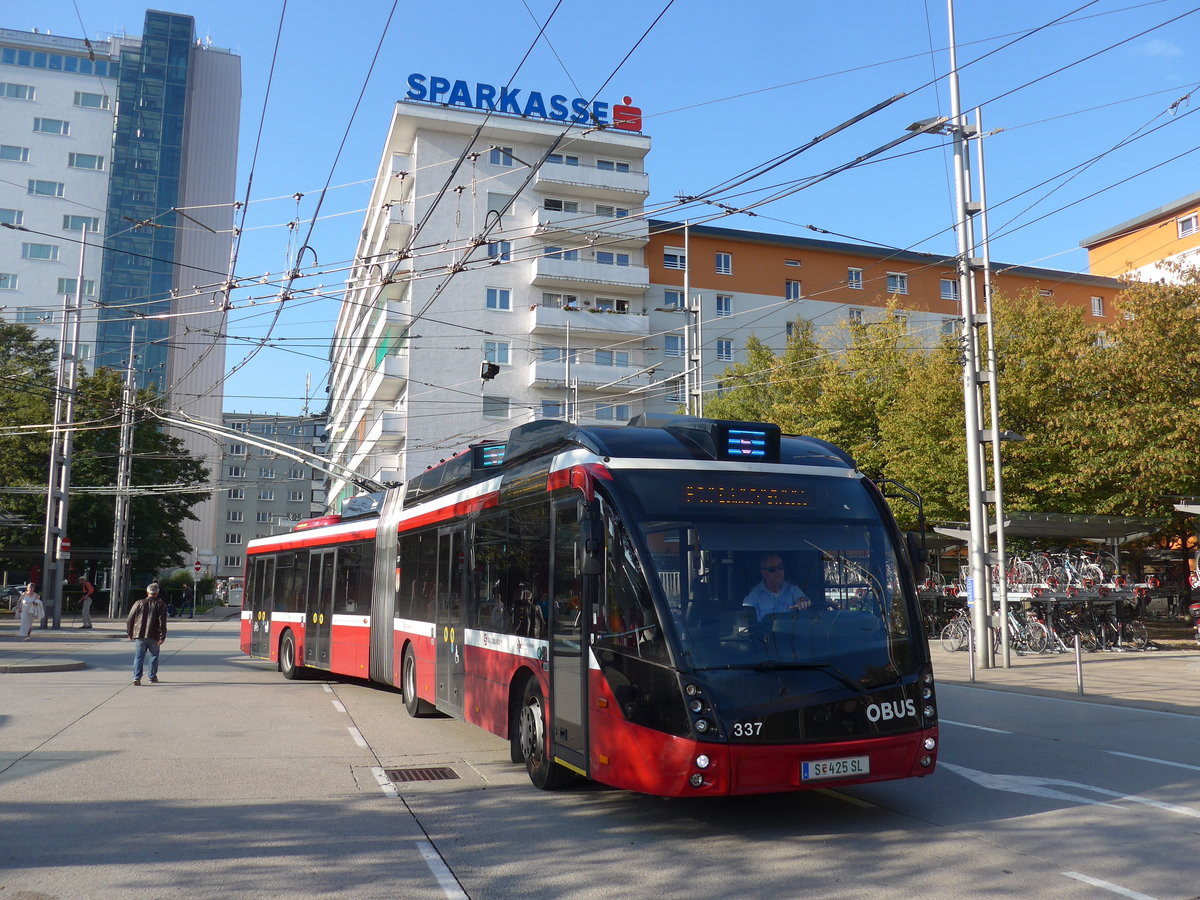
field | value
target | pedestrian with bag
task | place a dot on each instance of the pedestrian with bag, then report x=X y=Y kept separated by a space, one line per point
x=30 y=609
x=147 y=628
x=89 y=590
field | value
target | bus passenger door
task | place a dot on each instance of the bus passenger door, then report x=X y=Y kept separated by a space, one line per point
x=318 y=620
x=569 y=615
x=452 y=598
x=262 y=579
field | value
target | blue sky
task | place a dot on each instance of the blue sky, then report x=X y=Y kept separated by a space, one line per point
x=723 y=87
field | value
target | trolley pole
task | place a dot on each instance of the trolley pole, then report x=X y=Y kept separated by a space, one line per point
x=120 y=557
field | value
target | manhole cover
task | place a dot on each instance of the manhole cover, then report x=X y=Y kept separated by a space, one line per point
x=426 y=773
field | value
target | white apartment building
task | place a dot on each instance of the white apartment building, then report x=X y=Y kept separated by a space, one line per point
x=554 y=299
x=129 y=142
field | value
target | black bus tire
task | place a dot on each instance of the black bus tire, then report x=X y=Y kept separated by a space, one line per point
x=544 y=772
x=416 y=707
x=287 y=658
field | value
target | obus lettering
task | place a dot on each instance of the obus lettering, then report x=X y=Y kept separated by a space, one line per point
x=891 y=709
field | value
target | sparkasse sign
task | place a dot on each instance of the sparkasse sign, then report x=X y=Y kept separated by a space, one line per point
x=531 y=104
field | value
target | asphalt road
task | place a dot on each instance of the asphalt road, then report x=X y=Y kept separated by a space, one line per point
x=227 y=780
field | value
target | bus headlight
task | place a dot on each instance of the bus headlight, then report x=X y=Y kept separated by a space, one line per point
x=930 y=743
x=702 y=726
x=702 y=761
x=697 y=780
x=928 y=710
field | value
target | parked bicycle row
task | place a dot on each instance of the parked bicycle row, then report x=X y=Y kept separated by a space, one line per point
x=1048 y=625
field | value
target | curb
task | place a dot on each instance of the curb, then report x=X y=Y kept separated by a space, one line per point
x=66 y=665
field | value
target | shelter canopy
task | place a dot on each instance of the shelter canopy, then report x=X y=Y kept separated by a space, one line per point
x=1065 y=526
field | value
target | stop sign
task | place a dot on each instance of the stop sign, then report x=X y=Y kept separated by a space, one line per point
x=197 y=567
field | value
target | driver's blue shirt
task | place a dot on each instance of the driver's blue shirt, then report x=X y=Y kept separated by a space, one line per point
x=765 y=603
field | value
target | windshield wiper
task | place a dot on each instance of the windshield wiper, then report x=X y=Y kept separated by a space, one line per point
x=771 y=665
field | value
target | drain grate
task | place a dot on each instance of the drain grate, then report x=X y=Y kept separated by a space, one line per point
x=425 y=773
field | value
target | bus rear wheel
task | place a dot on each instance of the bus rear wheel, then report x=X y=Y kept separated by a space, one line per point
x=417 y=708
x=287 y=658
x=532 y=730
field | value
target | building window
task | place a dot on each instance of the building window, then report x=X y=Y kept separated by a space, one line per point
x=40 y=251
x=501 y=156
x=235 y=494
x=296 y=472
x=233 y=515
x=91 y=101
x=949 y=288
x=237 y=472
x=1045 y=292
x=238 y=426
x=70 y=286
x=266 y=471
x=232 y=562
x=612 y=412
x=724 y=263
x=563 y=159
x=556 y=205
x=724 y=306
x=856 y=316
x=673 y=299
x=608 y=304
x=725 y=351
x=611 y=212
x=560 y=301
x=267 y=495
x=897 y=283
x=17 y=91
x=262 y=517
x=674 y=258
x=501 y=250
x=12 y=216
x=81 y=223
x=495 y=407
x=612 y=165
x=85 y=161
x=552 y=409
x=46 y=188
x=791 y=290
x=612 y=358
x=11 y=153
x=673 y=345
x=1097 y=306
x=499 y=298
x=854 y=279
x=1188 y=224
x=789 y=329
x=32 y=315
x=557 y=354
x=237 y=449
x=791 y=262
x=295 y=496
x=51 y=126
x=496 y=352
x=8 y=281
x=559 y=253
x=608 y=258
x=674 y=393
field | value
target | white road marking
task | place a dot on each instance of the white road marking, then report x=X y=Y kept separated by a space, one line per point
x=437 y=866
x=1108 y=886
x=1037 y=786
x=1161 y=762
x=1091 y=703
x=339 y=706
x=967 y=725
x=328 y=689
x=357 y=737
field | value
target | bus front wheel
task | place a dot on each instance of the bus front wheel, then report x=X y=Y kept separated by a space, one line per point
x=544 y=772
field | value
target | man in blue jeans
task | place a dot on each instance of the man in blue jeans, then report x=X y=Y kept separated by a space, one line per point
x=147 y=628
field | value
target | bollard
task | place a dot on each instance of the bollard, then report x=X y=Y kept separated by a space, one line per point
x=1078 y=666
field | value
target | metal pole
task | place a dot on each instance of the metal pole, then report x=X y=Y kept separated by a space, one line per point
x=1078 y=665
x=120 y=562
x=977 y=546
x=687 y=321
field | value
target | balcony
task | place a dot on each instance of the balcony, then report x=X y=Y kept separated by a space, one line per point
x=552 y=320
x=605 y=230
x=605 y=184
x=575 y=275
x=587 y=376
x=387 y=381
x=387 y=431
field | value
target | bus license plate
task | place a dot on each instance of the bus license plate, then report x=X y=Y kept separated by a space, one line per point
x=846 y=767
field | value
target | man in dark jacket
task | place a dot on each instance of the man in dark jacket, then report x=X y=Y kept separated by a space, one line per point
x=147 y=628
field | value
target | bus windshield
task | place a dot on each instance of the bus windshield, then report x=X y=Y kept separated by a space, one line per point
x=767 y=572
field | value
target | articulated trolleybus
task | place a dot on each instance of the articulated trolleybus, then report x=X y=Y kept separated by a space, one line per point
x=582 y=592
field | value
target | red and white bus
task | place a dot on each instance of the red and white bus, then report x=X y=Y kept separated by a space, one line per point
x=582 y=592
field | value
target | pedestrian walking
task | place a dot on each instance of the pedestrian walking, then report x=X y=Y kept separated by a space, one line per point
x=30 y=609
x=85 y=613
x=147 y=628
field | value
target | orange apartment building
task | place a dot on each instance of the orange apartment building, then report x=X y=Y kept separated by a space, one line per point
x=1147 y=246
x=756 y=283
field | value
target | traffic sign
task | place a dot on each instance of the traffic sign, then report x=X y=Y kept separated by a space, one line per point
x=64 y=548
x=197 y=567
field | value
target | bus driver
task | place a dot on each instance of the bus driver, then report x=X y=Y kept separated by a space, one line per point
x=773 y=594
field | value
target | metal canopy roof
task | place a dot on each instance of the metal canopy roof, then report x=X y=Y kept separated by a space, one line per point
x=1065 y=526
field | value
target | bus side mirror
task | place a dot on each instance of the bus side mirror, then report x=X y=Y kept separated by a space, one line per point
x=589 y=533
x=917 y=553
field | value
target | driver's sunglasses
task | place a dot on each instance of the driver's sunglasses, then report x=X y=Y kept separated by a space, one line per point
x=772 y=569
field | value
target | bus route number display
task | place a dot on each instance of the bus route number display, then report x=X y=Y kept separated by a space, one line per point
x=743 y=495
